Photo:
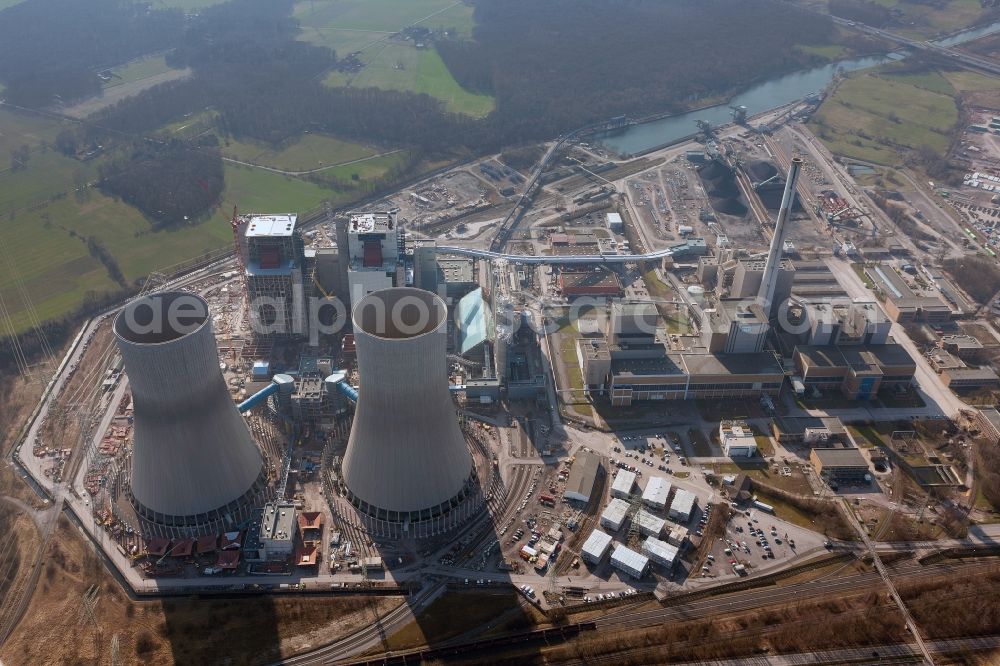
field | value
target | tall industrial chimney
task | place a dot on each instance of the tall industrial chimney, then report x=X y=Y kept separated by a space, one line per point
x=407 y=462
x=770 y=278
x=195 y=466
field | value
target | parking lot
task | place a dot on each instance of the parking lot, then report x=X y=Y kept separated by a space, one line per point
x=755 y=540
x=638 y=453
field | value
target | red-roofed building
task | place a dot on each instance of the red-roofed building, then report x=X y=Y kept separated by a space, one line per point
x=157 y=546
x=232 y=540
x=307 y=555
x=182 y=548
x=228 y=559
x=207 y=544
x=310 y=526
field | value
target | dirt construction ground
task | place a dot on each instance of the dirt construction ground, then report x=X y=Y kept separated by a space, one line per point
x=57 y=629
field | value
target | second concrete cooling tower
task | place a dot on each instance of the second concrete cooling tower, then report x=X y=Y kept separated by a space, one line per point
x=195 y=467
x=407 y=461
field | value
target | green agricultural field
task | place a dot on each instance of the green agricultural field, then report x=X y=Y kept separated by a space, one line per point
x=349 y=25
x=186 y=5
x=398 y=66
x=375 y=167
x=48 y=250
x=55 y=268
x=192 y=126
x=45 y=216
x=367 y=26
x=872 y=116
x=137 y=70
x=921 y=19
x=829 y=51
x=17 y=129
x=256 y=189
x=48 y=174
x=931 y=80
x=966 y=81
x=311 y=151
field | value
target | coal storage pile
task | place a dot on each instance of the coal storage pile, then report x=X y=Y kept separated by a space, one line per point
x=760 y=170
x=761 y=173
x=724 y=194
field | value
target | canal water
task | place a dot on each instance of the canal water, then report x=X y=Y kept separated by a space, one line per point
x=968 y=35
x=769 y=95
x=763 y=97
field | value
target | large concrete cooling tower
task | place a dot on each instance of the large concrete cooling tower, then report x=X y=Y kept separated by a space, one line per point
x=194 y=463
x=407 y=460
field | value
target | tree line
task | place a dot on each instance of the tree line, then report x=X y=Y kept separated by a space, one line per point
x=564 y=63
x=553 y=66
x=53 y=50
x=170 y=183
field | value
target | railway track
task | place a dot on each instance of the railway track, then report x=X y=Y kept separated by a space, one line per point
x=384 y=627
x=502 y=511
x=756 y=598
x=16 y=601
x=900 y=653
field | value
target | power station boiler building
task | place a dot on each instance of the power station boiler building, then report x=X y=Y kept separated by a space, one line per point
x=407 y=468
x=195 y=468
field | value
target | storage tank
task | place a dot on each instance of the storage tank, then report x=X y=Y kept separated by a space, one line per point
x=407 y=467
x=195 y=467
x=697 y=293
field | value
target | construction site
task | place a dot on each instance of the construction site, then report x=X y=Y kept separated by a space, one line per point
x=469 y=378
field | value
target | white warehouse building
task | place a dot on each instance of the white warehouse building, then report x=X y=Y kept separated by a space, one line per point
x=582 y=476
x=656 y=493
x=614 y=515
x=648 y=524
x=737 y=439
x=624 y=482
x=682 y=506
x=595 y=547
x=614 y=221
x=660 y=552
x=630 y=562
